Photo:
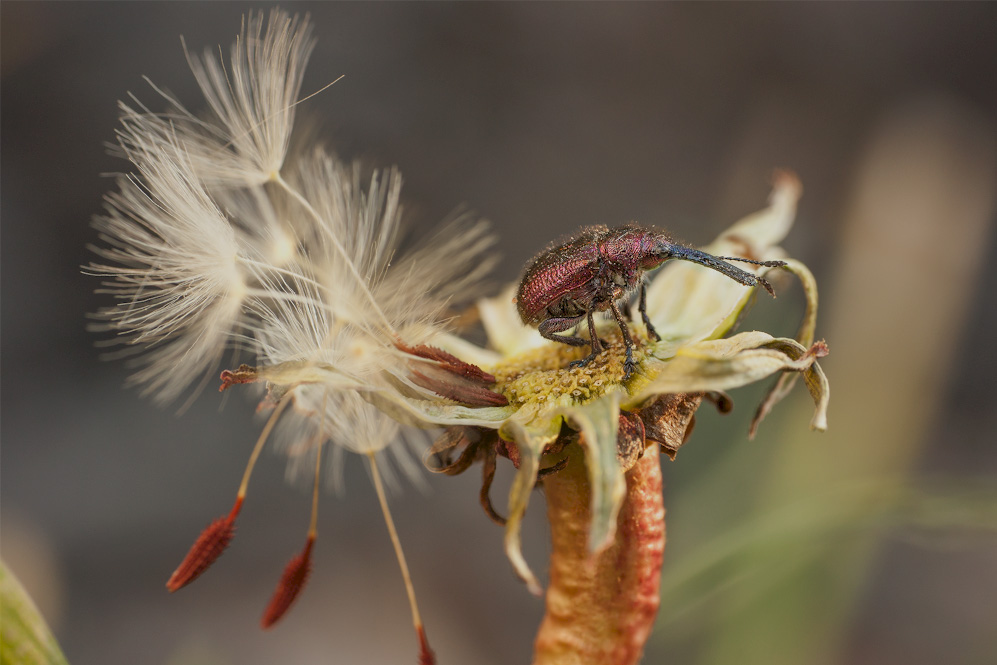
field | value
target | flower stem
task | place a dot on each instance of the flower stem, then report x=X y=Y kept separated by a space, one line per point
x=601 y=607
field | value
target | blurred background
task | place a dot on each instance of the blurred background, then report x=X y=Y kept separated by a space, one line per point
x=873 y=543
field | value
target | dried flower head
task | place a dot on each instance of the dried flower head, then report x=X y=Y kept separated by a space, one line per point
x=221 y=239
x=552 y=403
x=588 y=432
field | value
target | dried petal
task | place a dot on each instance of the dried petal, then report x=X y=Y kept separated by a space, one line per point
x=687 y=303
x=487 y=476
x=290 y=585
x=451 y=377
x=720 y=399
x=668 y=420
x=509 y=450
x=805 y=336
x=208 y=547
x=813 y=377
x=629 y=440
x=438 y=459
x=598 y=421
x=506 y=331
x=531 y=437
x=732 y=362
x=453 y=437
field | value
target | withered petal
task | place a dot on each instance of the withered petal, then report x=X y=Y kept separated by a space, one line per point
x=487 y=476
x=630 y=440
x=667 y=418
x=451 y=438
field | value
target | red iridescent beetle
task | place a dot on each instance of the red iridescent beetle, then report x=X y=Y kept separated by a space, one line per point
x=596 y=269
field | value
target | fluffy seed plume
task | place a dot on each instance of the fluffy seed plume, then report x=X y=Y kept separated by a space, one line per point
x=173 y=262
x=252 y=97
x=224 y=240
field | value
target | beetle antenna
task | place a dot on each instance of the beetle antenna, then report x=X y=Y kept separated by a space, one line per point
x=767 y=264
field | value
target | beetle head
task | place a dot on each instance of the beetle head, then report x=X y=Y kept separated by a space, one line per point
x=661 y=249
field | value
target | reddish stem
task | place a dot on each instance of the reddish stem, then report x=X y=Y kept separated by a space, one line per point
x=600 y=609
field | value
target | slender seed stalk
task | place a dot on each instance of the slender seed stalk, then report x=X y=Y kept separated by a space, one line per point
x=216 y=537
x=259 y=446
x=425 y=653
x=313 y=522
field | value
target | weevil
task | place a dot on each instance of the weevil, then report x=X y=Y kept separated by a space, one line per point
x=597 y=269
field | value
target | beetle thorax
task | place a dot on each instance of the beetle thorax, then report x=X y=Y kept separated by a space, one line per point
x=629 y=252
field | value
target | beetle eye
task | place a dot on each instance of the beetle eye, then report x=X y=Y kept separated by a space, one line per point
x=661 y=250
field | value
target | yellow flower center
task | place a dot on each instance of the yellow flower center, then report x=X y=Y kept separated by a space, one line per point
x=543 y=375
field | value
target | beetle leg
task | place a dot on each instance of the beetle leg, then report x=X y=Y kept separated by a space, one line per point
x=584 y=361
x=627 y=309
x=651 y=332
x=595 y=342
x=548 y=327
x=628 y=365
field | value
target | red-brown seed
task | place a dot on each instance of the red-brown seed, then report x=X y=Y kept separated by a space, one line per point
x=290 y=585
x=450 y=362
x=457 y=388
x=208 y=547
x=449 y=376
x=426 y=655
